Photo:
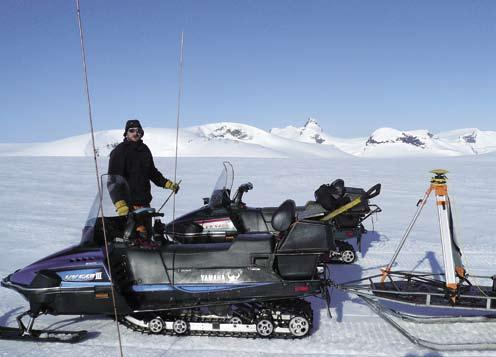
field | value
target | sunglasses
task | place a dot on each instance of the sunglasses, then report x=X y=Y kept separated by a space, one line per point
x=134 y=130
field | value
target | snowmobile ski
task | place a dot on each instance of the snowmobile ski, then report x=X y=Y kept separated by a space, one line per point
x=15 y=333
x=27 y=333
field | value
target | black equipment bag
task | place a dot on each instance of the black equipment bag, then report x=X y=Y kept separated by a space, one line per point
x=332 y=196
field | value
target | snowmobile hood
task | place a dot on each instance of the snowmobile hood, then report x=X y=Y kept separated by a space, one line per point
x=65 y=260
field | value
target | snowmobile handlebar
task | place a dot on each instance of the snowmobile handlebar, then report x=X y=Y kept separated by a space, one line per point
x=245 y=187
x=373 y=192
x=132 y=216
x=147 y=211
x=241 y=190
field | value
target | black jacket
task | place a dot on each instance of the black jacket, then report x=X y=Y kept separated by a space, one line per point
x=134 y=161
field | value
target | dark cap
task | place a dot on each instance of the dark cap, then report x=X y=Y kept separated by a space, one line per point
x=133 y=123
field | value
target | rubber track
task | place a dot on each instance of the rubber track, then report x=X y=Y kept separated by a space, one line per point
x=303 y=309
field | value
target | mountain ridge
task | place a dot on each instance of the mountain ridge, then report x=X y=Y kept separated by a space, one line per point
x=230 y=139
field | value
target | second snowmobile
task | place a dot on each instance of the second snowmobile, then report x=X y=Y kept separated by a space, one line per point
x=251 y=286
x=222 y=218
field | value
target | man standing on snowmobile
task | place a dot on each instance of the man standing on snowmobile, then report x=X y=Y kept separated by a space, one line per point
x=133 y=160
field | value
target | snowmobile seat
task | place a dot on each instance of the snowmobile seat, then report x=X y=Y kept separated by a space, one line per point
x=247 y=221
x=354 y=192
x=284 y=216
x=198 y=248
x=302 y=243
x=239 y=253
x=268 y=212
x=353 y=217
x=312 y=209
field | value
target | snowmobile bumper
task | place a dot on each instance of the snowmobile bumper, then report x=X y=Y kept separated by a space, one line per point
x=6 y=283
x=93 y=299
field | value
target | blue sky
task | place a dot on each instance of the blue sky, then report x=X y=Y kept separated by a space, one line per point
x=353 y=65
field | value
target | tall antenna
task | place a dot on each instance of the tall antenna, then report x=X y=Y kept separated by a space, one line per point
x=179 y=96
x=100 y=193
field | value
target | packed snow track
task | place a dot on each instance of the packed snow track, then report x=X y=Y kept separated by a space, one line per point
x=45 y=201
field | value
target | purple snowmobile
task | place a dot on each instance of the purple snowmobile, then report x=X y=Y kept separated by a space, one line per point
x=252 y=286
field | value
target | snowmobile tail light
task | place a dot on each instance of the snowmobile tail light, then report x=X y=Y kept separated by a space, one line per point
x=349 y=234
x=302 y=288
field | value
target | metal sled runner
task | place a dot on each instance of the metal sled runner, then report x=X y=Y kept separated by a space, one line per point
x=452 y=291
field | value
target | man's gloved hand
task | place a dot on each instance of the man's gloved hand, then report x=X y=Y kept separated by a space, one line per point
x=121 y=208
x=172 y=186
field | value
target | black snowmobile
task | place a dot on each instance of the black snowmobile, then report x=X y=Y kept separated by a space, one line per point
x=222 y=218
x=253 y=285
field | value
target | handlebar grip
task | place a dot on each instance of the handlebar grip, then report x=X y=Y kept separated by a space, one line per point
x=373 y=191
x=245 y=187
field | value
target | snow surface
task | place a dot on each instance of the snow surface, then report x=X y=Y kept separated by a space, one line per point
x=228 y=139
x=45 y=202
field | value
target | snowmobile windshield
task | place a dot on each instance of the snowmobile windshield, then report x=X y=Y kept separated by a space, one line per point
x=222 y=191
x=114 y=188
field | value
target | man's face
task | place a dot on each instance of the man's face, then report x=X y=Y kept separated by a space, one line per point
x=133 y=134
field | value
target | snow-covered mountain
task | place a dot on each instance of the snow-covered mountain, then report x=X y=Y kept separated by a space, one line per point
x=311 y=132
x=223 y=139
x=389 y=142
x=227 y=139
x=473 y=139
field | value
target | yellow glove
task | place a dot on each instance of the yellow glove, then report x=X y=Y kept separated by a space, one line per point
x=172 y=186
x=121 y=208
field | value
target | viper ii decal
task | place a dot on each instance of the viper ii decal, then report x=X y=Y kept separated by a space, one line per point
x=83 y=275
